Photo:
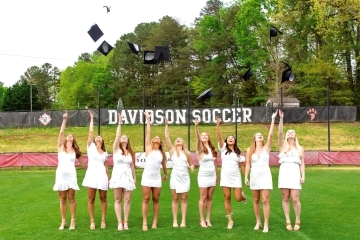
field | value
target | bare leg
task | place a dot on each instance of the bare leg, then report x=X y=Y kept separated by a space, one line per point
x=202 y=204
x=146 y=191
x=174 y=206
x=91 y=200
x=184 y=206
x=286 y=206
x=71 y=196
x=210 y=191
x=266 y=208
x=156 y=205
x=295 y=195
x=227 y=204
x=103 y=207
x=256 y=199
x=127 y=197
x=62 y=197
x=118 y=194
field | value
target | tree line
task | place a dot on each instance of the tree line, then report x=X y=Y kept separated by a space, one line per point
x=318 y=39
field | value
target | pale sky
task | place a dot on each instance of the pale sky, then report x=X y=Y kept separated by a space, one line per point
x=34 y=32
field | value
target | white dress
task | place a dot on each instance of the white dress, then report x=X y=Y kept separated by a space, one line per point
x=230 y=173
x=207 y=172
x=121 y=176
x=65 y=177
x=151 y=175
x=289 y=172
x=260 y=174
x=180 y=179
x=95 y=176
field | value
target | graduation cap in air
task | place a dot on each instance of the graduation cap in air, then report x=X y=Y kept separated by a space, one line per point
x=205 y=95
x=287 y=75
x=120 y=105
x=105 y=48
x=95 y=32
x=247 y=75
x=274 y=31
x=161 y=53
x=134 y=47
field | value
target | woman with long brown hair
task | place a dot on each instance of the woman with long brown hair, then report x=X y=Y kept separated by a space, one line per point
x=151 y=178
x=66 y=179
x=123 y=178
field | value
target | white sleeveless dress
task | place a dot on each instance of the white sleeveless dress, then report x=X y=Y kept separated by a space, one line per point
x=180 y=179
x=230 y=173
x=289 y=172
x=95 y=176
x=151 y=175
x=260 y=174
x=121 y=176
x=65 y=177
x=207 y=172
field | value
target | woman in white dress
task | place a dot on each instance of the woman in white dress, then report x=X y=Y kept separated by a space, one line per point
x=123 y=178
x=66 y=180
x=230 y=176
x=257 y=157
x=97 y=173
x=179 y=179
x=291 y=173
x=151 y=178
x=207 y=175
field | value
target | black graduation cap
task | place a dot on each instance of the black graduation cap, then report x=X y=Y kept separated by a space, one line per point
x=134 y=47
x=205 y=95
x=105 y=48
x=95 y=32
x=161 y=53
x=149 y=57
x=247 y=75
x=287 y=75
x=274 y=31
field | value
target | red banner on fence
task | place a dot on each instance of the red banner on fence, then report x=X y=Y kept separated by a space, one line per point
x=50 y=159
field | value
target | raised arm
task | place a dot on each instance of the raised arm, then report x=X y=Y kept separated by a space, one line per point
x=281 y=130
x=91 y=128
x=271 y=132
x=118 y=134
x=167 y=137
x=198 y=138
x=218 y=131
x=148 y=133
x=302 y=166
x=62 y=130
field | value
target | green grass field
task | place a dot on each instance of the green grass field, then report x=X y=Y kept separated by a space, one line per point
x=29 y=209
x=312 y=136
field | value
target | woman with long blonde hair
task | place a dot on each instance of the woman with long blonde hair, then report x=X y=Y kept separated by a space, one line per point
x=291 y=173
x=179 y=179
x=257 y=163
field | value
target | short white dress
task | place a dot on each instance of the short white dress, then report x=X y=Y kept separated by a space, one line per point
x=121 y=176
x=289 y=172
x=65 y=177
x=180 y=179
x=230 y=174
x=260 y=174
x=207 y=172
x=151 y=176
x=95 y=176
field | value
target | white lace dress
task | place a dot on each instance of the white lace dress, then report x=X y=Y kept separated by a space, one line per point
x=95 y=176
x=151 y=175
x=121 y=176
x=65 y=177
x=207 y=172
x=260 y=174
x=180 y=179
x=289 y=172
x=230 y=173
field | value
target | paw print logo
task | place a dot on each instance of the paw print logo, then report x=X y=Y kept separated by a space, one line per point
x=312 y=113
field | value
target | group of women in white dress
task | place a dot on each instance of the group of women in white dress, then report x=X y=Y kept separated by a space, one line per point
x=123 y=177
